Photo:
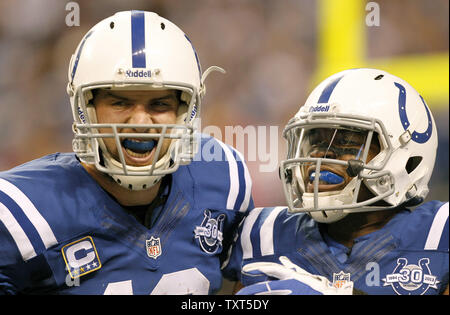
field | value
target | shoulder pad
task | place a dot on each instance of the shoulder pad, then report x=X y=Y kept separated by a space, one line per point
x=28 y=229
x=438 y=233
x=226 y=181
x=261 y=229
x=426 y=227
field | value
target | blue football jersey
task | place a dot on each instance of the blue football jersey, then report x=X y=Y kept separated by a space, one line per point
x=409 y=255
x=61 y=233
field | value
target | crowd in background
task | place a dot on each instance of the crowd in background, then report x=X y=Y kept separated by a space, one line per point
x=268 y=48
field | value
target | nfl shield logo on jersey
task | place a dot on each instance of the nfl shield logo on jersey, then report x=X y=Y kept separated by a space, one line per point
x=340 y=279
x=210 y=232
x=153 y=246
x=411 y=279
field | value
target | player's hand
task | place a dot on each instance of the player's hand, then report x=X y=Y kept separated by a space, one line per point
x=279 y=287
x=291 y=280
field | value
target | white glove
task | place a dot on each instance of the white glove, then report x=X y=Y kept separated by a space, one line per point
x=288 y=270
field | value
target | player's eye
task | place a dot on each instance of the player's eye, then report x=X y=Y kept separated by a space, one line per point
x=349 y=138
x=120 y=103
x=162 y=106
x=314 y=138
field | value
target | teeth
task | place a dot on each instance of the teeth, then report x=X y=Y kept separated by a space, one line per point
x=138 y=155
x=134 y=140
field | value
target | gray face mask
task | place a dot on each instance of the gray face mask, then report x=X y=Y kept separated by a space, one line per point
x=325 y=168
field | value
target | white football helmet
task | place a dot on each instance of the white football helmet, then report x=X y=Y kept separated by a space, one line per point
x=379 y=108
x=135 y=50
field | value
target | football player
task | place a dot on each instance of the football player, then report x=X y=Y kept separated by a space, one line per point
x=139 y=207
x=360 y=154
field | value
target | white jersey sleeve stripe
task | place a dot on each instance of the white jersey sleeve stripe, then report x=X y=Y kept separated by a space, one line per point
x=246 y=242
x=248 y=184
x=266 y=232
x=234 y=176
x=20 y=238
x=437 y=227
x=38 y=221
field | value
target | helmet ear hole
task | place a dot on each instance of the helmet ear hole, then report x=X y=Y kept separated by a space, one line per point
x=412 y=163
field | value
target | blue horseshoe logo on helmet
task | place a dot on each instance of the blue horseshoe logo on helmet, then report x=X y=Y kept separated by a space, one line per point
x=415 y=136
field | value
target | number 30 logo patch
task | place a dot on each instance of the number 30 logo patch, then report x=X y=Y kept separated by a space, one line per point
x=81 y=257
x=210 y=232
x=411 y=279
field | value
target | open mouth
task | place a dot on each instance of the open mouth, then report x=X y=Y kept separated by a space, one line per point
x=139 y=150
x=328 y=180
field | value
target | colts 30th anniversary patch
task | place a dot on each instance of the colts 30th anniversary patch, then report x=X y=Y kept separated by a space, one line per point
x=210 y=232
x=409 y=279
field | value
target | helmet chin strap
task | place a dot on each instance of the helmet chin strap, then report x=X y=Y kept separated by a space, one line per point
x=135 y=182
x=329 y=199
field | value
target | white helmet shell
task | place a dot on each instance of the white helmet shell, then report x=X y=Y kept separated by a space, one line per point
x=135 y=50
x=385 y=106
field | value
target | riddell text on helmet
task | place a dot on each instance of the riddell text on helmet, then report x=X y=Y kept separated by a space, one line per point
x=138 y=74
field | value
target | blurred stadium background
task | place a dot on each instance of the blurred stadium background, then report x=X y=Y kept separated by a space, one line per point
x=274 y=52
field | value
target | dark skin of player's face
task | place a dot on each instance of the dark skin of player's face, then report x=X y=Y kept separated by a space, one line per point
x=345 y=145
x=354 y=142
x=353 y=225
